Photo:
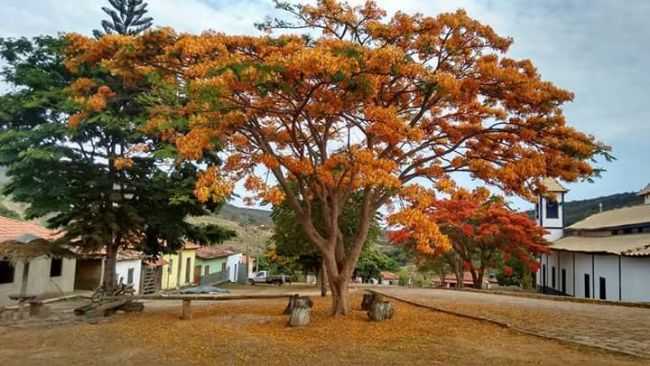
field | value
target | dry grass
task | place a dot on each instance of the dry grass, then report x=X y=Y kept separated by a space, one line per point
x=249 y=332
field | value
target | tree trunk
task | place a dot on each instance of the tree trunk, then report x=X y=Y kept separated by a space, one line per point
x=109 y=268
x=460 y=274
x=322 y=278
x=478 y=279
x=340 y=297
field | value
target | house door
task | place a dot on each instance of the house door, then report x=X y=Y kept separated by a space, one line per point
x=563 y=281
x=188 y=268
x=603 y=288
x=197 y=274
x=544 y=276
x=587 y=286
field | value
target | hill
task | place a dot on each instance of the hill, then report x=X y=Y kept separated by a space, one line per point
x=575 y=211
x=579 y=210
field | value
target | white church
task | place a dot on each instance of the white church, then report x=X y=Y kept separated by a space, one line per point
x=605 y=256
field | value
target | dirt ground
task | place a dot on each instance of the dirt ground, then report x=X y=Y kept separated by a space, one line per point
x=255 y=332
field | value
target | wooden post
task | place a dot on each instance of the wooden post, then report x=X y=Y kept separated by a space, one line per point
x=187 y=310
x=35 y=308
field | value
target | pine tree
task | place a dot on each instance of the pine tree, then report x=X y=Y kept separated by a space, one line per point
x=128 y=18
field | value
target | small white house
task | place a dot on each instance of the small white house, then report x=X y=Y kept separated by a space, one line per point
x=605 y=256
x=41 y=276
x=90 y=270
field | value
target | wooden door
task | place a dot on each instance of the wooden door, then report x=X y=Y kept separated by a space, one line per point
x=197 y=274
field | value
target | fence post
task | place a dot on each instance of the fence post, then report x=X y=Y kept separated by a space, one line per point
x=187 y=310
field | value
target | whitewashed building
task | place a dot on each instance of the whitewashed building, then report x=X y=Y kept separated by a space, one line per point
x=43 y=276
x=605 y=256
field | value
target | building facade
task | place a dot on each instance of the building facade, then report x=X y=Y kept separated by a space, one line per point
x=605 y=256
x=178 y=269
x=42 y=276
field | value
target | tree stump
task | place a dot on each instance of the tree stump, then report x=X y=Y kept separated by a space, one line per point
x=380 y=311
x=297 y=301
x=300 y=312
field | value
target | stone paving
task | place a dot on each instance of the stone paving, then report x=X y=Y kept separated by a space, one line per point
x=618 y=328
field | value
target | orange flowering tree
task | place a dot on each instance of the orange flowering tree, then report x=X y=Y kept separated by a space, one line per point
x=375 y=106
x=482 y=231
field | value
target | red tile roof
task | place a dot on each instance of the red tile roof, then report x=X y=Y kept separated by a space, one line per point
x=11 y=229
x=215 y=251
x=190 y=246
x=389 y=276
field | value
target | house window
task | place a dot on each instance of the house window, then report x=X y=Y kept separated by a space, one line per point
x=553 y=277
x=552 y=209
x=587 y=286
x=563 y=281
x=129 y=276
x=603 y=289
x=56 y=267
x=6 y=272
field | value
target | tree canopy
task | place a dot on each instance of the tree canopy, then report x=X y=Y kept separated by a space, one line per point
x=373 y=106
x=127 y=17
x=482 y=232
x=76 y=152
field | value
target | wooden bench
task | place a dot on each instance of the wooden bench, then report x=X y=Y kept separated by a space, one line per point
x=186 y=310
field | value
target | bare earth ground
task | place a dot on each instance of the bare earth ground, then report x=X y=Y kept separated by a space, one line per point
x=613 y=327
x=254 y=332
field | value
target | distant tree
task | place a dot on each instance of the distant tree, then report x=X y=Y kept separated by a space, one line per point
x=372 y=262
x=481 y=229
x=6 y=212
x=127 y=18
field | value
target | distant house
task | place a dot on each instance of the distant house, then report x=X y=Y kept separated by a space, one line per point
x=90 y=269
x=449 y=281
x=177 y=270
x=388 y=278
x=39 y=276
x=605 y=256
x=219 y=263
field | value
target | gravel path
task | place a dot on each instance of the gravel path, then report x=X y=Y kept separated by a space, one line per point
x=617 y=328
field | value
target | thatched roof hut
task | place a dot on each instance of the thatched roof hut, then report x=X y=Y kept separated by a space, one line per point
x=19 y=250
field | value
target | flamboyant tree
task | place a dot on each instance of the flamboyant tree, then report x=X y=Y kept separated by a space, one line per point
x=482 y=231
x=373 y=106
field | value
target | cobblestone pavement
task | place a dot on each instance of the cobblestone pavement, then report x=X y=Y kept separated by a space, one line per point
x=619 y=328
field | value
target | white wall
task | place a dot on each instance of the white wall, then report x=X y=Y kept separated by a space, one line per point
x=39 y=282
x=122 y=270
x=606 y=266
x=635 y=274
x=566 y=264
x=583 y=265
x=233 y=263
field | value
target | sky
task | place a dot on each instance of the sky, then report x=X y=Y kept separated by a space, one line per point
x=598 y=49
